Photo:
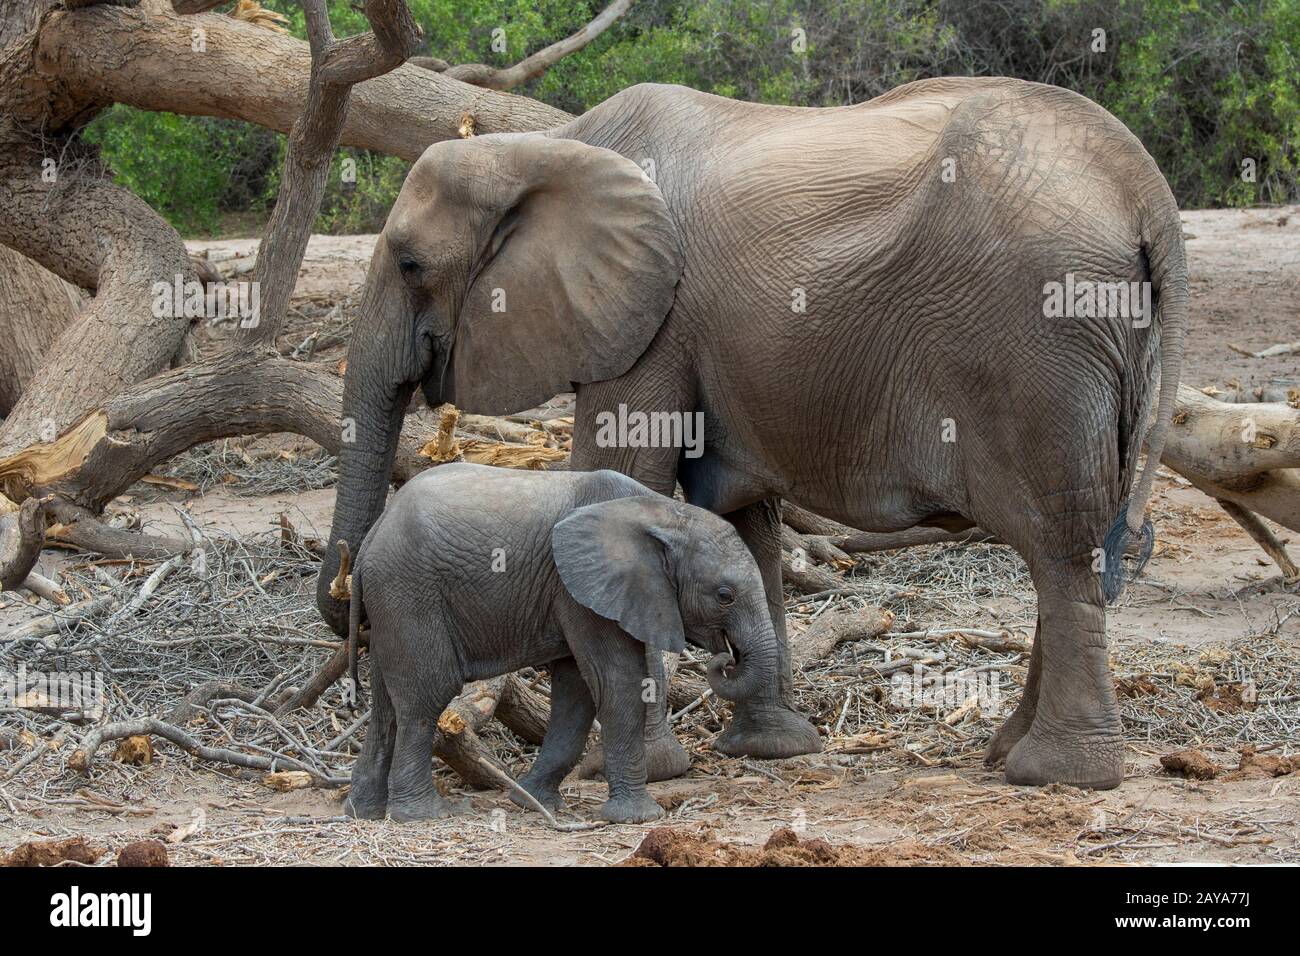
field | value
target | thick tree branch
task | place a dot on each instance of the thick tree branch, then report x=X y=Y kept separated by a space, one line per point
x=146 y=59
x=96 y=235
x=22 y=534
x=1248 y=454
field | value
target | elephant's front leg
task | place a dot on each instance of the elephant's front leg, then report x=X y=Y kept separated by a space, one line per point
x=767 y=725
x=664 y=756
x=661 y=383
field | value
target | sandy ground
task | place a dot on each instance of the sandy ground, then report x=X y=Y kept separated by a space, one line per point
x=1207 y=591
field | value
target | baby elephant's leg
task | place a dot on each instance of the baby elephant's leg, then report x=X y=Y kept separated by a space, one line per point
x=572 y=711
x=620 y=673
x=368 y=793
x=420 y=688
x=411 y=793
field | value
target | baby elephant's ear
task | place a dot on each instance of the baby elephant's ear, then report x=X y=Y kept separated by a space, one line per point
x=613 y=558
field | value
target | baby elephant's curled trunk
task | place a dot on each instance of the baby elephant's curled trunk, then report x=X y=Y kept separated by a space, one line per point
x=754 y=660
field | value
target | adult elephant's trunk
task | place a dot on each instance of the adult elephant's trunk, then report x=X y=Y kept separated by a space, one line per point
x=756 y=652
x=375 y=396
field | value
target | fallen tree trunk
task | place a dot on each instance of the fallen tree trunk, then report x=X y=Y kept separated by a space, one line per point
x=1248 y=454
x=101 y=237
x=457 y=743
x=145 y=58
x=1245 y=456
x=35 y=307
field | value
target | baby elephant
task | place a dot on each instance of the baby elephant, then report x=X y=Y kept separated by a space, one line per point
x=473 y=572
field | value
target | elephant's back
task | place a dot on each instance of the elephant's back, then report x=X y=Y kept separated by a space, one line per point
x=903 y=249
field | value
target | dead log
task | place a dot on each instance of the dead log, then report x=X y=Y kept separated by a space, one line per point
x=101 y=237
x=819 y=547
x=522 y=710
x=44 y=588
x=804 y=577
x=147 y=424
x=1248 y=454
x=457 y=743
x=22 y=535
x=835 y=627
x=850 y=541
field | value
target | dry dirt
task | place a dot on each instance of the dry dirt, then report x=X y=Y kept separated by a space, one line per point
x=1209 y=602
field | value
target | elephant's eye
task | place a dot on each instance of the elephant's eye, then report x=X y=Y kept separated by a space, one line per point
x=726 y=596
x=408 y=265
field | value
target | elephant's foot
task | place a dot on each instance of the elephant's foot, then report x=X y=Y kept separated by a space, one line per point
x=635 y=807
x=1009 y=734
x=548 y=795
x=768 y=732
x=664 y=759
x=1043 y=756
x=424 y=806
x=359 y=809
x=367 y=796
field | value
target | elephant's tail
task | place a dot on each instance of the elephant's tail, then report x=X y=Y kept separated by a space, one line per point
x=354 y=632
x=1167 y=267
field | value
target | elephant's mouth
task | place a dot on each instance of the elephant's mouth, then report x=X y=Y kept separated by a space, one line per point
x=725 y=658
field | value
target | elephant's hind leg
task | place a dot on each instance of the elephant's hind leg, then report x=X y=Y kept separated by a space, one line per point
x=1074 y=735
x=1017 y=725
x=421 y=686
x=368 y=793
x=572 y=711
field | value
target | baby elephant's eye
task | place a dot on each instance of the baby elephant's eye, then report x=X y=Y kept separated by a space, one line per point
x=726 y=596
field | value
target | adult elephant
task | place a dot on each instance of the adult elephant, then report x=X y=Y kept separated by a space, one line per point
x=906 y=312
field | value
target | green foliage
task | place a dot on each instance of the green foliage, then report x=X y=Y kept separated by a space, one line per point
x=1205 y=84
x=189 y=169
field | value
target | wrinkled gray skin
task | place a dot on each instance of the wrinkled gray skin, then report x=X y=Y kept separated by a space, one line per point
x=853 y=298
x=473 y=572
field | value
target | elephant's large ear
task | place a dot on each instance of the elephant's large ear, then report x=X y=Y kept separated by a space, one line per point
x=613 y=558
x=581 y=271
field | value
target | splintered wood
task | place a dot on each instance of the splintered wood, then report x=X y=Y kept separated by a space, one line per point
x=532 y=449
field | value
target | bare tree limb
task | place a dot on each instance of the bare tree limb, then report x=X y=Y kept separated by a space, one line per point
x=83 y=757
x=533 y=66
x=1264 y=537
x=22 y=535
x=336 y=67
